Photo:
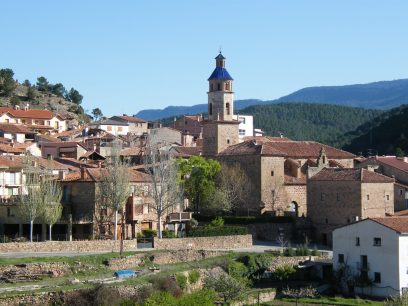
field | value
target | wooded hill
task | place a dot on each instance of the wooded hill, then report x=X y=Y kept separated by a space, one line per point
x=385 y=135
x=306 y=121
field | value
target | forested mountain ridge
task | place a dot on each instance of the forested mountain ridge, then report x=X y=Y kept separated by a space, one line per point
x=306 y=121
x=386 y=134
x=377 y=95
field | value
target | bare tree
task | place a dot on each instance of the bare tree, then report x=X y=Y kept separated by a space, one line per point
x=52 y=208
x=30 y=205
x=279 y=195
x=165 y=190
x=234 y=182
x=114 y=187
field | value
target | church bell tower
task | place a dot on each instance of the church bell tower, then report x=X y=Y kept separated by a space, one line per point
x=220 y=130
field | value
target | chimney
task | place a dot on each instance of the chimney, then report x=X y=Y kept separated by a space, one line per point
x=17 y=107
x=61 y=175
x=94 y=146
x=82 y=172
x=405 y=159
x=26 y=107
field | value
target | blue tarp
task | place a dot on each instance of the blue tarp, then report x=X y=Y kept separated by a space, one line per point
x=125 y=273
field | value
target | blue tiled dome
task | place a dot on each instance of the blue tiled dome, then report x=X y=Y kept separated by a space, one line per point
x=220 y=73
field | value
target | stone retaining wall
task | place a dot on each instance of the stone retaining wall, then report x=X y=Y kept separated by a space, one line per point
x=68 y=246
x=204 y=243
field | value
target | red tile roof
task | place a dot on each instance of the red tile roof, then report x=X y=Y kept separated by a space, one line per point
x=398 y=224
x=30 y=113
x=393 y=161
x=187 y=151
x=286 y=148
x=351 y=174
x=14 y=128
x=130 y=119
x=95 y=175
x=9 y=149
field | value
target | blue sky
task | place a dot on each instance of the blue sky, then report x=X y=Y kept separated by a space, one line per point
x=125 y=56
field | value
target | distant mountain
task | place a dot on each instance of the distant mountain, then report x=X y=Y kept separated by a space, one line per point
x=386 y=134
x=171 y=111
x=379 y=95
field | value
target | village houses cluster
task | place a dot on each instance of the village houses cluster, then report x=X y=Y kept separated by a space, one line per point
x=347 y=201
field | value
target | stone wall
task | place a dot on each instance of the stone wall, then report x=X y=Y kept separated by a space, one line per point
x=204 y=243
x=68 y=246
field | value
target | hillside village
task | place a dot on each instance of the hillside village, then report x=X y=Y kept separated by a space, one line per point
x=286 y=191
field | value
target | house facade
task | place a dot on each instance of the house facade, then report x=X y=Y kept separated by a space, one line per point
x=371 y=256
x=338 y=196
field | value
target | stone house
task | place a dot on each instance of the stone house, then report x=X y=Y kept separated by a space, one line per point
x=80 y=200
x=114 y=127
x=338 y=196
x=392 y=166
x=278 y=168
x=69 y=149
x=374 y=249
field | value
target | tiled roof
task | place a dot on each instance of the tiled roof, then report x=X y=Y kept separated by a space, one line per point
x=398 y=224
x=130 y=119
x=30 y=113
x=187 y=151
x=70 y=132
x=47 y=138
x=262 y=139
x=401 y=213
x=393 y=162
x=18 y=162
x=291 y=148
x=134 y=151
x=351 y=174
x=220 y=73
x=14 y=128
x=9 y=149
x=95 y=175
x=109 y=122
x=39 y=127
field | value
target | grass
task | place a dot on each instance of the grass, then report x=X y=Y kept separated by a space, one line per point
x=328 y=301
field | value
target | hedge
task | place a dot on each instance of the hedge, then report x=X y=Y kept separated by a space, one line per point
x=217 y=231
x=247 y=220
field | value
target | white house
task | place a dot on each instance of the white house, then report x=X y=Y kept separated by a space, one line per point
x=374 y=251
x=246 y=125
x=113 y=127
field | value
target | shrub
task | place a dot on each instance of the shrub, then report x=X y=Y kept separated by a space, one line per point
x=181 y=280
x=256 y=264
x=217 y=222
x=168 y=234
x=106 y=296
x=193 y=277
x=198 y=298
x=289 y=251
x=162 y=283
x=217 y=231
x=149 y=233
x=227 y=287
x=283 y=273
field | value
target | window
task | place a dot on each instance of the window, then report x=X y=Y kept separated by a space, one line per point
x=210 y=110
x=120 y=129
x=368 y=197
x=241 y=120
x=272 y=173
x=377 y=241
x=338 y=197
x=228 y=108
x=357 y=241
x=242 y=132
x=377 y=277
x=227 y=86
x=387 y=197
x=326 y=220
x=219 y=86
x=400 y=192
x=322 y=196
x=10 y=212
x=7 y=120
x=48 y=122
x=228 y=141
x=341 y=258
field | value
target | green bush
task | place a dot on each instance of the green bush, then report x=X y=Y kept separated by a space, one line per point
x=181 y=280
x=198 y=298
x=289 y=251
x=149 y=233
x=256 y=264
x=217 y=222
x=242 y=220
x=168 y=234
x=193 y=277
x=217 y=231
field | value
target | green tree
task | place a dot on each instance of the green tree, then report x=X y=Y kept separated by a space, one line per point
x=97 y=114
x=42 y=84
x=58 y=89
x=74 y=96
x=227 y=287
x=27 y=83
x=15 y=100
x=31 y=93
x=198 y=177
x=283 y=273
x=399 y=152
x=7 y=83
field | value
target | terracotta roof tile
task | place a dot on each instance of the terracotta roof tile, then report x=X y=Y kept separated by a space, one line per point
x=9 y=149
x=95 y=175
x=130 y=119
x=351 y=174
x=398 y=224
x=30 y=113
x=187 y=151
x=393 y=162
x=14 y=128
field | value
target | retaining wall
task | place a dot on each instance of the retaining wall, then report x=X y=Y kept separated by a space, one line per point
x=68 y=246
x=204 y=243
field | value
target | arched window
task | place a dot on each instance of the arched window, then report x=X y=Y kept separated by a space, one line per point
x=227 y=86
x=228 y=108
x=210 y=110
x=219 y=86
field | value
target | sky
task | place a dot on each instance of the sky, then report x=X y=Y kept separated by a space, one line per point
x=125 y=56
